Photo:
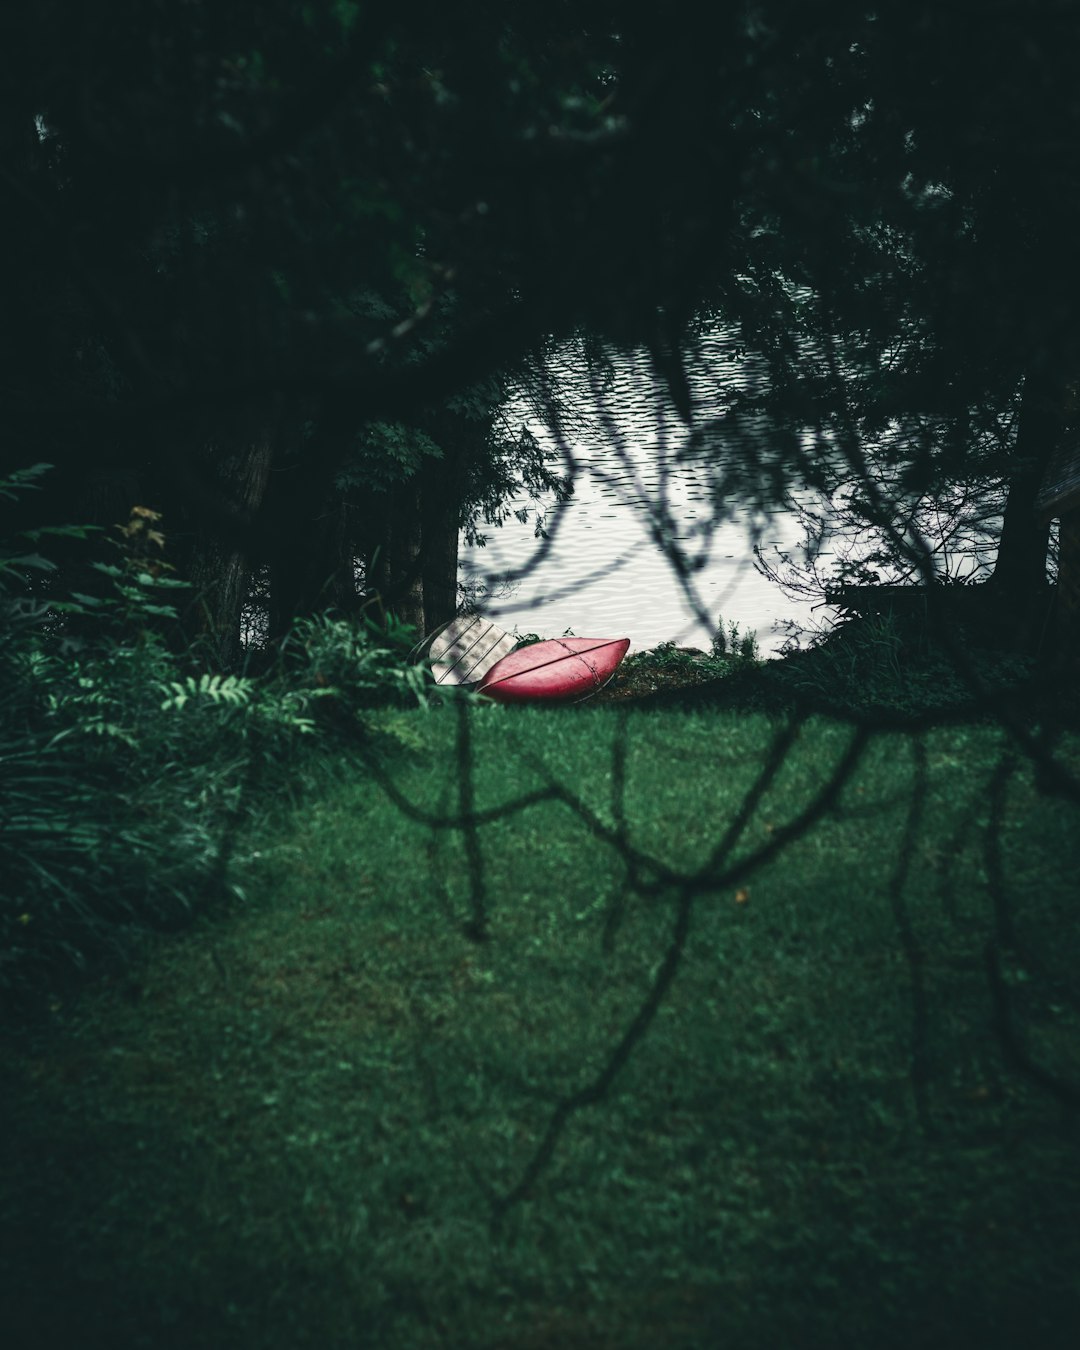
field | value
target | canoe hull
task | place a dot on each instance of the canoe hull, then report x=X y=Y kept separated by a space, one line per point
x=464 y=650
x=561 y=669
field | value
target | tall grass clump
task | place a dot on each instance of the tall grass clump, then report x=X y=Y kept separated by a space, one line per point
x=739 y=650
x=127 y=775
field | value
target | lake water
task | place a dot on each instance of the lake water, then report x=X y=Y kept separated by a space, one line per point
x=658 y=539
x=602 y=571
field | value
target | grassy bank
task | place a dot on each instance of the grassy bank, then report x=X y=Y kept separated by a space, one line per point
x=636 y=1061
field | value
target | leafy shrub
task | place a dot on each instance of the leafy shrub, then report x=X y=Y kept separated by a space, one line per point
x=124 y=778
x=880 y=662
x=357 y=663
x=97 y=827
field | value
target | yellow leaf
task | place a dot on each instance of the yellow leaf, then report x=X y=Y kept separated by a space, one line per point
x=742 y=895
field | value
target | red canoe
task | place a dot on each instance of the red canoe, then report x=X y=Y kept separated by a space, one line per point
x=561 y=668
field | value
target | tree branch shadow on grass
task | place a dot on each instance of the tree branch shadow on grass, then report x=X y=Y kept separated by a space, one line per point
x=1003 y=944
x=647 y=877
x=714 y=875
x=913 y=951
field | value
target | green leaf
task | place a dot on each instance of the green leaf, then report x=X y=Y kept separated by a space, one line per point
x=62 y=532
x=34 y=560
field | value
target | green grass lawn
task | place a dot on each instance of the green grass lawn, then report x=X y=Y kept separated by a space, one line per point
x=334 y=1117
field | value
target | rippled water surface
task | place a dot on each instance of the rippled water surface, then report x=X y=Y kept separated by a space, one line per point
x=602 y=572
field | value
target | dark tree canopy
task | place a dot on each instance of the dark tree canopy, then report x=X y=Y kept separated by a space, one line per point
x=240 y=235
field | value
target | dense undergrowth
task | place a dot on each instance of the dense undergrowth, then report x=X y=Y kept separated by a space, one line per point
x=127 y=770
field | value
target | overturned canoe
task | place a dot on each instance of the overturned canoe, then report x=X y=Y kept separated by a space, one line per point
x=560 y=668
x=465 y=649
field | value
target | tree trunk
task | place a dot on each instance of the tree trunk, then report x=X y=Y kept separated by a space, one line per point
x=440 y=523
x=393 y=566
x=1067 y=653
x=406 y=589
x=375 y=551
x=312 y=563
x=339 y=549
x=1019 y=575
x=218 y=568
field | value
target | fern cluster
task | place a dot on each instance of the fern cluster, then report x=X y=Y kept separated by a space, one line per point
x=125 y=775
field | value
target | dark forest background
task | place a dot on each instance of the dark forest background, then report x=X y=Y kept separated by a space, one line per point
x=271 y=270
